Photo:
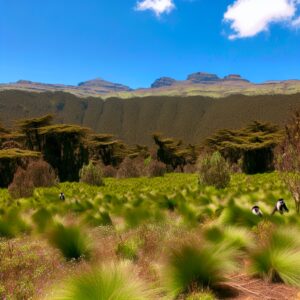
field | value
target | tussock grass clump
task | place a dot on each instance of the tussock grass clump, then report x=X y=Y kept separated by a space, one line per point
x=43 y=219
x=128 y=249
x=91 y=174
x=214 y=171
x=108 y=282
x=279 y=258
x=201 y=296
x=71 y=241
x=12 y=224
x=194 y=266
x=237 y=237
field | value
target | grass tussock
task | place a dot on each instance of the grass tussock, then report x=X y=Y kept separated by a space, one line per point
x=279 y=258
x=195 y=266
x=107 y=282
x=72 y=241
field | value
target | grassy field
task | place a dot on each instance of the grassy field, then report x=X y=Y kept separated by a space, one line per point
x=160 y=230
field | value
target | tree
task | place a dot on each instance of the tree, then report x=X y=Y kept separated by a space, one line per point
x=30 y=129
x=107 y=148
x=64 y=148
x=170 y=152
x=254 y=144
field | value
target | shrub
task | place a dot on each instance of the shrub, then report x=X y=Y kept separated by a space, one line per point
x=91 y=174
x=214 y=170
x=108 y=282
x=37 y=174
x=22 y=185
x=109 y=171
x=71 y=241
x=41 y=174
x=279 y=259
x=193 y=267
x=130 y=168
x=155 y=168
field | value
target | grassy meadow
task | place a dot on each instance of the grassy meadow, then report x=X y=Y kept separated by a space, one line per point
x=146 y=238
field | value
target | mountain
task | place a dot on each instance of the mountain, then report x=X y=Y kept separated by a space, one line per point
x=163 y=82
x=201 y=77
x=190 y=118
x=104 y=86
x=199 y=83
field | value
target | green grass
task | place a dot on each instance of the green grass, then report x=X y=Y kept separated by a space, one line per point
x=108 y=282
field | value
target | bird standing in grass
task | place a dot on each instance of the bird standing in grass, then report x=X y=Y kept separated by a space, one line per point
x=280 y=207
x=256 y=211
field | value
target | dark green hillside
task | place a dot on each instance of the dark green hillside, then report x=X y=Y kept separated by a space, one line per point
x=133 y=120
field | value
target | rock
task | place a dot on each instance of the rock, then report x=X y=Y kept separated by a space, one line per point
x=235 y=77
x=105 y=85
x=162 y=82
x=202 y=77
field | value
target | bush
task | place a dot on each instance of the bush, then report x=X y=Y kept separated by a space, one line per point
x=91 y=174
x=193 y=267
x=37 y=174
x=71 y=241
x=41 y=174
x=214 y=171
x=131 y=168
x=22 y=185
x=108 y=282
x=109 y=171
x=279 y=258
x=155 y=168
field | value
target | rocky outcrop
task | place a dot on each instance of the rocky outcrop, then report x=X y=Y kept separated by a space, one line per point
x=202 y=77
x=104 y=85
x=235 y=77
x=163 y=82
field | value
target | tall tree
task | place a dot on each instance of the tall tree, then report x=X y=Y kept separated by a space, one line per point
x=30 y=129
x=64 y=147
x=254 y=144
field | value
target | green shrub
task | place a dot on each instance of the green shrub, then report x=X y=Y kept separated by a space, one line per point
x=91 y=174
x=279 y=258
x=71 y=241
x=194 y=267
x=108 y=282
x=214 y=171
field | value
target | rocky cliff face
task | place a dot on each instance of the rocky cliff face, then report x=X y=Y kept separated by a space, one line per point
x=201 y=77
x=134 y=120
x=163 y=82
x=104 y=85
x=235 y=77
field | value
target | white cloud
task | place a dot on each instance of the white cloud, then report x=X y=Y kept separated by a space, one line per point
x=157 y=6
x=247 y=18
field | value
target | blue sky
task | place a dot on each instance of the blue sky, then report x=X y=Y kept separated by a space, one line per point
x=134 y=42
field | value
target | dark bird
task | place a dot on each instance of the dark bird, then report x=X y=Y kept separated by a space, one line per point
x=280 y=207
x=62 y=196
x=256 y=211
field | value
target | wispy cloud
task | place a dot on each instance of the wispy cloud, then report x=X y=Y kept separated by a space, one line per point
x=247 y=18
x=157 y=6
